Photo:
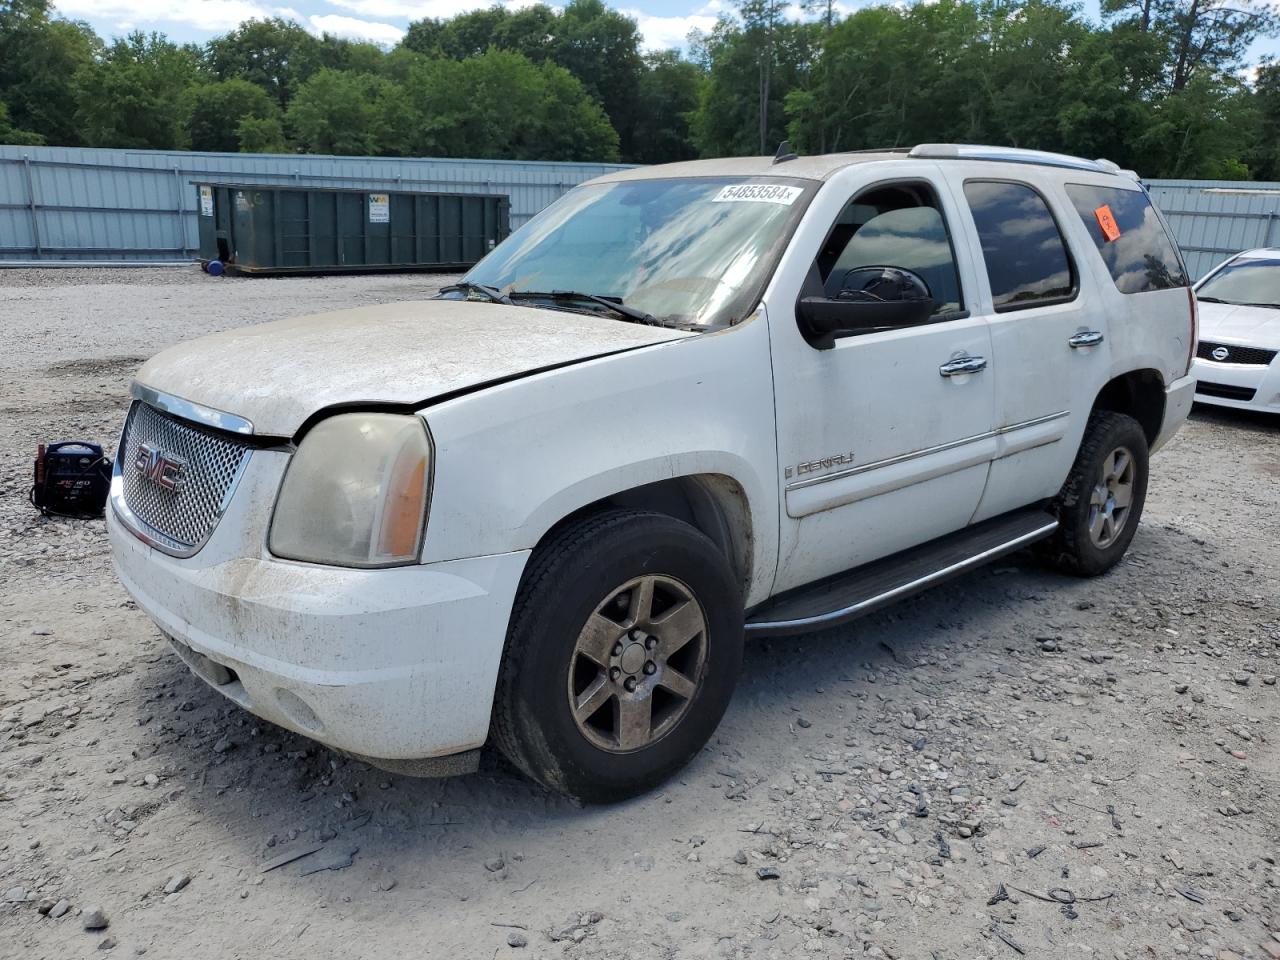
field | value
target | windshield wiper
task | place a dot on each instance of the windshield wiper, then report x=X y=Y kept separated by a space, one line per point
x=492 y=294
x=612 y=303
x=1269 y=306
x=1215 y=300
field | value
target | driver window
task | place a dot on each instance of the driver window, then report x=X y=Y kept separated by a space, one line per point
x=901 y=226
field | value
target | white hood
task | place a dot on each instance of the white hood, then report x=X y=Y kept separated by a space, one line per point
x=1246 y=326
x=277 y=374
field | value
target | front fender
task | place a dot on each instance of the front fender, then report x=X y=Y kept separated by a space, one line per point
x=514 y=459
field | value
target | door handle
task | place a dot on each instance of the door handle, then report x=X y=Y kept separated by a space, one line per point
x=1089 y=338
x=962 y=365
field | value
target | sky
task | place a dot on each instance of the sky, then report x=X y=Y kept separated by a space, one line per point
x=664 y=24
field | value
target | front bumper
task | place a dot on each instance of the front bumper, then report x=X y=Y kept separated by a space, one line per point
x=1228 y=385
x=394 y=664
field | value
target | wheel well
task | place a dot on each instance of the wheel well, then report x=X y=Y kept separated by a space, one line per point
x=712 y=503
x=1138 y=393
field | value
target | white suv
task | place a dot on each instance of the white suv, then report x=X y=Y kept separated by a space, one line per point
x=683 y=404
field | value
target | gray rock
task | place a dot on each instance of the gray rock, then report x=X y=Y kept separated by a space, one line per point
x=107 y=943
x=223 y=745
x=44 y=906
x=337 y=857
x=60 y=909
x=15 y=895
x=740 y=858
x=494 y=865
x=176 y=883
x=1241 y=678
x=94 y=918
x=1038 y=754
x=517 y=939
x=768 y=873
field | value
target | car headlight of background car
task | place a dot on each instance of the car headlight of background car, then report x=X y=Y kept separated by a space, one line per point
x=355 y=493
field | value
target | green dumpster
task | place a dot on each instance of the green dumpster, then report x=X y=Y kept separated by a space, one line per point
x=273 y=229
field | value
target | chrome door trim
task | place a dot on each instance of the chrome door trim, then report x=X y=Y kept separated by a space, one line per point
x=962 y=365
x=920 y=583
x=1085 y=338
x=924 y=452
x=187 y=410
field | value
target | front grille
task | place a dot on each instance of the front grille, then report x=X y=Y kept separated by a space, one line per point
x=1224 y=391
x=1235 y=354
x=179 y=518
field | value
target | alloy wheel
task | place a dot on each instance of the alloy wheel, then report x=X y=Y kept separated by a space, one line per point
x=638 y=664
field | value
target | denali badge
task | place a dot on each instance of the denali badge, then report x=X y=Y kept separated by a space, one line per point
x=1220 y=353
x=826 y=463
x=163 y=470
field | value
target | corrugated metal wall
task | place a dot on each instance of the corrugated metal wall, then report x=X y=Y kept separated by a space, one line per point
x=1213 y=219
x=70 y=203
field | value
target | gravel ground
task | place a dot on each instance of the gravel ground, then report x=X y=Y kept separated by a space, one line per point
x=1016 y=764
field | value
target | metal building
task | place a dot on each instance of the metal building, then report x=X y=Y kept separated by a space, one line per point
x=61 y=203
x=1213 y=219
x=68 y=203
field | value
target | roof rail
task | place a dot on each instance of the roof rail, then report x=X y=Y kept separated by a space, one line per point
x=968 y=151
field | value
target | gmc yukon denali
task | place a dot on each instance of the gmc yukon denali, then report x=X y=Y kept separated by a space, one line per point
x=682 y=406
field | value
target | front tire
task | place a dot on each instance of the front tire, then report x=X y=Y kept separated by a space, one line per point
x=623 y=650
x=1101 y=502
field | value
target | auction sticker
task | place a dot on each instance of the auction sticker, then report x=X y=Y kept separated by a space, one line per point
x=758 y=193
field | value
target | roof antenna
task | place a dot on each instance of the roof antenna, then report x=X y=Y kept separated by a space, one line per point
x=784 y=153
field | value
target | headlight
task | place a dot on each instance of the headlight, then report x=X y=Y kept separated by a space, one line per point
x=355 y=492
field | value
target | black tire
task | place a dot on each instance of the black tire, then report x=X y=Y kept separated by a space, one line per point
x=1072 y=549
x=569 y=579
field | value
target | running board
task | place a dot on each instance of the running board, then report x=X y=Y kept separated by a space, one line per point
x=857 y=592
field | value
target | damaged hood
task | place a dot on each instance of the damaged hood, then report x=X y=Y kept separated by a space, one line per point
x=278 y=374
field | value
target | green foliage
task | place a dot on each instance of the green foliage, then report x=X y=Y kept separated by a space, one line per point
x=501 y=104
x=349 y=113
x=278 y=55
x=215 y=110
x=39 y=57
x=10 y=134
x=1154 y=86
x=127 y=98
x=261 y=135
x=669 y=92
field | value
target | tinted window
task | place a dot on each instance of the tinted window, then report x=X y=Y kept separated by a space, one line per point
x=1027 y=261
x=894 y=226
x=1138 y=251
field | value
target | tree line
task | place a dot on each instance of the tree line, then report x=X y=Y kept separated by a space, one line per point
x=1158 y=85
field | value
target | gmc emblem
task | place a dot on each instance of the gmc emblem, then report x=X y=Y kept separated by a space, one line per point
x=161 y=469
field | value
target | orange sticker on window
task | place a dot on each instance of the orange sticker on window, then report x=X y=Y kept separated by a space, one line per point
x=1107 y=221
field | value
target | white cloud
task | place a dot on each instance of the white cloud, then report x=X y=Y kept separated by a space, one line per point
x=419 y=9
x=664 y=33
x=212 y=15
x=356 y=29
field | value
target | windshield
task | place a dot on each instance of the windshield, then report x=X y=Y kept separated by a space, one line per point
x=688 y=251
x=1252 y=281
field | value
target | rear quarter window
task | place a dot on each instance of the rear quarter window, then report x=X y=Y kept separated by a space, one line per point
x=1135 y=245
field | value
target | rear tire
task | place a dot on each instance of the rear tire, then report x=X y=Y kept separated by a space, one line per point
x=1100 y=505
x=623 y=650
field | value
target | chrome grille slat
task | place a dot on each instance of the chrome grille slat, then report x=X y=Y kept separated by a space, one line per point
x=1235 y=353
x=184 y=519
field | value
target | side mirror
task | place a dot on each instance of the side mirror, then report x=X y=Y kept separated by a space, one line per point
x=869 y=299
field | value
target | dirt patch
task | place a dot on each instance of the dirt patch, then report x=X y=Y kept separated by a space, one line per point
x=1015 y=764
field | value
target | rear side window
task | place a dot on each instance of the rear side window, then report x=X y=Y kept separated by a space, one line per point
x=1027 y=261
x=1127 y=232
